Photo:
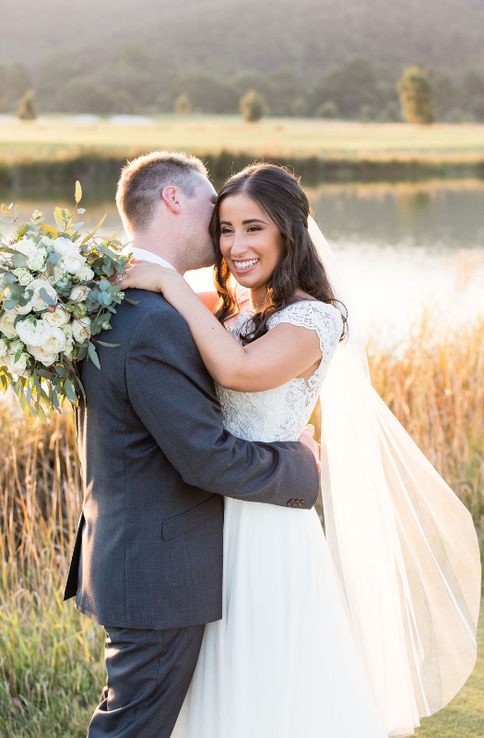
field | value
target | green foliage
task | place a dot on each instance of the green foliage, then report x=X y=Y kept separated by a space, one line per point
x=27 y=109
x=416 y=95
x=252 y=106
x=327 y=109
x=183 y=105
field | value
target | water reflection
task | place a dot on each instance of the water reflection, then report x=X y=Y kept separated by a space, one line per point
x=403 y=247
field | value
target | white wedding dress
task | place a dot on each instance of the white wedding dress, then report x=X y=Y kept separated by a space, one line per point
x=283 y=661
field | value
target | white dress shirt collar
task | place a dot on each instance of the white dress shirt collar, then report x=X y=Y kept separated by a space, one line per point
x=144 y=255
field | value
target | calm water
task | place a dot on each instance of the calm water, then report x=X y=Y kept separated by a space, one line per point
x=404 y=248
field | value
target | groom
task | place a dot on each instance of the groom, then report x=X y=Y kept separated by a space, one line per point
x=156 y=462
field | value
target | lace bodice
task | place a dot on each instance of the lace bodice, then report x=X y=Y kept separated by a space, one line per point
x=282 y=413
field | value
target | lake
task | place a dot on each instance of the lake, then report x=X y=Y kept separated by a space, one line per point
x=406 y=249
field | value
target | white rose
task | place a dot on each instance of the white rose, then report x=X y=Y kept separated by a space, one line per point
x=72 y=263
x=71 y=260
x=16 y=367
x=79 y=293
x=7 y=324
x=34 y=333
x=23 y=275
x=58 y=318
x=3 y=347
x=67 y=329
x=37 y=302
x=26 y=247
x=55 y=342
x=41 y=355
x=81 y=329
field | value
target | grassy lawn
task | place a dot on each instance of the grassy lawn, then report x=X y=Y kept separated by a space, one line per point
x=272 y=137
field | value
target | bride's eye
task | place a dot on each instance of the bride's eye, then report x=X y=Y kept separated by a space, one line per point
x=224 y=231
x=253 y=228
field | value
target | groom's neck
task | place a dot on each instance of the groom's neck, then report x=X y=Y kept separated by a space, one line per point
x=165 y=247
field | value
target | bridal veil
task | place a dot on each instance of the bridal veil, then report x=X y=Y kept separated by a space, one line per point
x=404 y=545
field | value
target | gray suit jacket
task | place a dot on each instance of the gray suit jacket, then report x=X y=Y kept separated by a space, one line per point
x=156 y=461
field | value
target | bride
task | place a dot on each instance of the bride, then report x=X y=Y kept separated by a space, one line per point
x=358 y=633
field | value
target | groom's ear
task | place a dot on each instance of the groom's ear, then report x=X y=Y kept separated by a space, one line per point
x=171 y=198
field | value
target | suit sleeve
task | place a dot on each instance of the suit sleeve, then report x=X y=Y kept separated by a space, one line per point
x=174 y=397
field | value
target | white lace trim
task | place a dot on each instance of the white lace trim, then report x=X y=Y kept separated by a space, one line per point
x=281 y=414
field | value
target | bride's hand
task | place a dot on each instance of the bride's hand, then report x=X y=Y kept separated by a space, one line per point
x=307 y=439
x=144 y=275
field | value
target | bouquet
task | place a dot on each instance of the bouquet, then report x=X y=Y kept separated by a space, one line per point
x=55 y=296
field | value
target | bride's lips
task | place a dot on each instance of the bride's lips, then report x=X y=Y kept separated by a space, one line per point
x=245 y=266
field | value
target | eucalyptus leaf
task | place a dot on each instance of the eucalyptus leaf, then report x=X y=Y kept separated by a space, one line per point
x=93 y=354
x=46 y=297
x=78 y=192
x=70 y=391
x=19 y=259
x=108 y=345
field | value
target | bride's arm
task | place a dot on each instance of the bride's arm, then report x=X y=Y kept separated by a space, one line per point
x=281 y=354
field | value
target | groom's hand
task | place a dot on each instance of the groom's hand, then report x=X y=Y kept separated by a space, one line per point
x=308 y=440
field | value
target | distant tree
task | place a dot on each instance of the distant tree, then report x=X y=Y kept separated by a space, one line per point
x=328 y=109
x=252 y=106
x=27 y=109
x=416 y=95
x=299 y=107
x=183 y=105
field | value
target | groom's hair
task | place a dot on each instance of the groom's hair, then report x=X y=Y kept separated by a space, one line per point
x=143 y=180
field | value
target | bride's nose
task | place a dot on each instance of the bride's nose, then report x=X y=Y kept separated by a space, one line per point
x=238 y=247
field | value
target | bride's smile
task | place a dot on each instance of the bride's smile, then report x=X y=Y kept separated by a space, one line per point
x=250 y=242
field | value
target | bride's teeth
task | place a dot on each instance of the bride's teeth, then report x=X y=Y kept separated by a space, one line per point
x=246 y=264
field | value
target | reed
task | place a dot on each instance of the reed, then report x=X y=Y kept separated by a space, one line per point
x=51 y=667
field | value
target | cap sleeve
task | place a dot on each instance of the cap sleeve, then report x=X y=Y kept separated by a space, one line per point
x=321 y=317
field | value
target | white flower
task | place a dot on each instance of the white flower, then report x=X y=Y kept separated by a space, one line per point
x=24 y=309
x=23 y=275
x=55 y=342
x=7 y=323
x=71 y=260
x=69 y=348
x=3 y=347
x=41 y=355
x=58 y=318
x=34 y=333
x=46 y=241
x=59 y=273
x=85 y=274
x=79 y=293
x=67 y=328
x=36 y=301
x=36 y=261
x=14 y=347
x=16 y=367
x=81 y=329
x=26 y=247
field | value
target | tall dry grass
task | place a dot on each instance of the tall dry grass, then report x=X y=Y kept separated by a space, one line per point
x=50 y=656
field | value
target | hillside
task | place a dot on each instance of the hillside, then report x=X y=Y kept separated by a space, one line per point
x=309 y=34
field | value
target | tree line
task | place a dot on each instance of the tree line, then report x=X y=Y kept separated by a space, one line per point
x=145 y=80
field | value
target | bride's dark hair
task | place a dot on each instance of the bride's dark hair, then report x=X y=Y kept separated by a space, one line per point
x=279 y=194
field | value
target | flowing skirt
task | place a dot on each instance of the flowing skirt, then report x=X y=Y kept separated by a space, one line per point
x=282 y=662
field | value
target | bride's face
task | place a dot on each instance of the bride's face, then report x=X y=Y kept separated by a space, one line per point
x=249 y=241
